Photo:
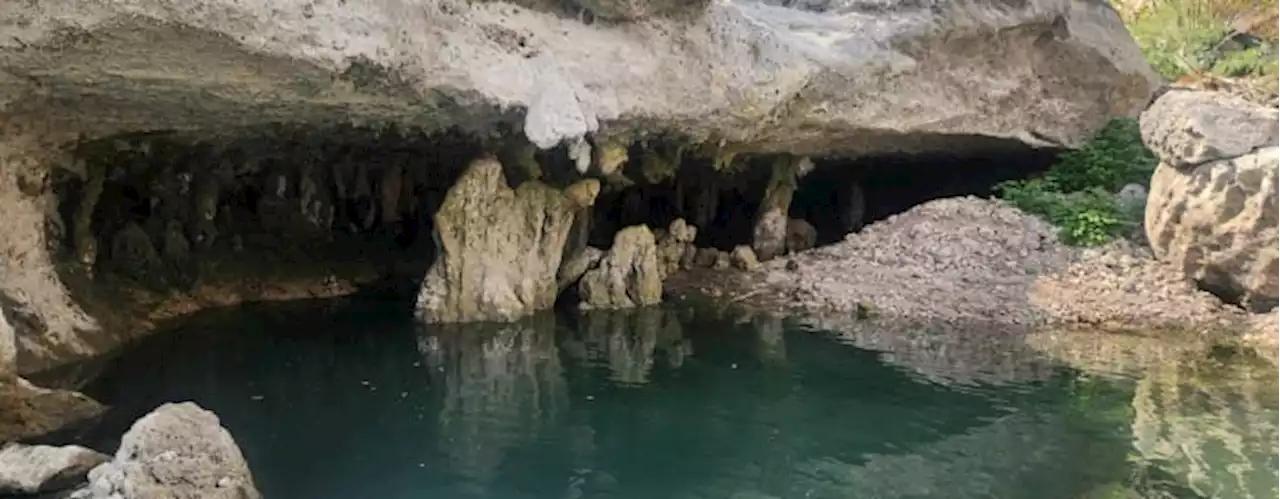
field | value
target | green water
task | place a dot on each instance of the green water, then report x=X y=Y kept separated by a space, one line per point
x=355 y=401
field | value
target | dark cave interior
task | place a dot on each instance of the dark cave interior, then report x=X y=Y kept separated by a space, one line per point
x=161 y=208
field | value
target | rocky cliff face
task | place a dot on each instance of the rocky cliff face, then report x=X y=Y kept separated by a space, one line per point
x=637 y=94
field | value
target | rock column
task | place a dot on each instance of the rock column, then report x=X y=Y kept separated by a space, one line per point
x=28 y=150
x=769 y=235
x=499 y=248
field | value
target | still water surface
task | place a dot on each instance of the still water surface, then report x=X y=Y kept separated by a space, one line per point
x=355 y=401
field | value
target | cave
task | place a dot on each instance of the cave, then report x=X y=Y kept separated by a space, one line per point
x=151 y=226
x=841 y=196
x=268 y=214
x=837 y=196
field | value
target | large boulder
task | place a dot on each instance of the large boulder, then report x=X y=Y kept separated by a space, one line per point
x=499 y=248
x=628 y=276
x=1212 y=209
x=32 y=469
x=176 y=451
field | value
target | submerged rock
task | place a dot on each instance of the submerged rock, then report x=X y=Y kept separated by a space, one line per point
x=499 y=248
x=28 y=411
x=628 y=276
x=175 y=451
x=1212 y=210
x=32 y=469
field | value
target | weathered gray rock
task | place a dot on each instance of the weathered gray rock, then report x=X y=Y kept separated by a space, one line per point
x=743 y=258
x=1188 y=128
x=800 y=235
x=1132 y=196
x=1212 y=206
x=31 y=469
x=1218 y=223
x=176 y=451
x=499 y=249
x=628 y=276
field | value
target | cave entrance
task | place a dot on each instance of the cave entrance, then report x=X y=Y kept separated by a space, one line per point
x=268 y=214
x=841 y=196
x=834 y=196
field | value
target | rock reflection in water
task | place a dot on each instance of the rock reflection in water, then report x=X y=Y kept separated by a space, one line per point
x=1204 y=416
x=499 y=386
x=1212 y=423
x=627 y=341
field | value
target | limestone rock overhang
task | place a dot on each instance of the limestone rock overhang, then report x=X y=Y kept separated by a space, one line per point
x=837 y=78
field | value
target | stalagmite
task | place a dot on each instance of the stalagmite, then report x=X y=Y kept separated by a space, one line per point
x=769 y=236
x=500 y=248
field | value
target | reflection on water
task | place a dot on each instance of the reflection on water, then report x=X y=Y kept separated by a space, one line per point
x=1204 y=416
x=675 y=402
x=498 y=386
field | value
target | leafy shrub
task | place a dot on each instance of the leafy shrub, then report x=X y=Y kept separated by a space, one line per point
x=1076 y=194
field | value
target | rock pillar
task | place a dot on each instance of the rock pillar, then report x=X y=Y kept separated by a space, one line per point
x=499 y=248
x=769 y=236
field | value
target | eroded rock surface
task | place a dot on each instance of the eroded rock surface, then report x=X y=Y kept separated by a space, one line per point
x=32 y=469
x=905 y=76
x=628 y=275
x=1188 y=128
x=499 y=248
x=675 y=247
x=27 y=410
x=1212 y=210
x=177 y=450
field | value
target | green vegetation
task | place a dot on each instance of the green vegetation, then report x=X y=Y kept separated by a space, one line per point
x=1191 y=37
x=1077 y=193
